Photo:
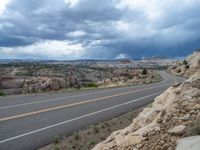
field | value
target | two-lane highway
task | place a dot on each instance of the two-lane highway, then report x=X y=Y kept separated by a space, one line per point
x=28 y=122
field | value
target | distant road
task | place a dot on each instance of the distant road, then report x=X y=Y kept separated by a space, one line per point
x=29 y=122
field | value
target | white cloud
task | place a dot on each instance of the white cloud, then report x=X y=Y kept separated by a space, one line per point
x=71 y=3
x=47 y=49
x=122 y=56
x=123 y=26
x=77 y=33
x=3 y=4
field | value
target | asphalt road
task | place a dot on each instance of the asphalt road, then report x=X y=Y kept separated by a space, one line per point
x=28 y=122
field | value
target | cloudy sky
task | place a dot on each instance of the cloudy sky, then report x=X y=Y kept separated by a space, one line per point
x=98 y=29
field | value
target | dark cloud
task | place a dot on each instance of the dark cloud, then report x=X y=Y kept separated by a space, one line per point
x=102 y=28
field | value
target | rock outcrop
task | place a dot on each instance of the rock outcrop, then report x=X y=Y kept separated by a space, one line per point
x=115 y=77
x=187 y=67
x=160 y=126
x=190 y=143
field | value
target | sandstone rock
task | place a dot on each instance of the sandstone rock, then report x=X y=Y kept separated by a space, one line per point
x=155 y=123
x=178 y=68
x=178 y=130
x=185 y=118
x=55 y=84
x=11 y=82
x=177 y=84
x=190 y=143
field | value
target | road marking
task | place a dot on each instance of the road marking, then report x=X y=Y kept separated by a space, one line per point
x=59 y=99
x=74 y=104
x=77 y=118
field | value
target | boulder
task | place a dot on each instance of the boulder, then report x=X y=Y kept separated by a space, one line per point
x=11 y=82
x=190 y=143
x=177 y=130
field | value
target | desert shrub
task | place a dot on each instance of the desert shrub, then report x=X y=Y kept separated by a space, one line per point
x=56 y=147
x=151 y=105
x=92 y=85
x=92 y=143
x=185 y=62
x=2 y=93
x=187 y=66
x=144 y=71
x=56 y=140
x=96 y=129
x=193 y=129
x=77 y=136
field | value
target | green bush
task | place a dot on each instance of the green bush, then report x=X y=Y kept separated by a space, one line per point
x=56 y=147
x=144 y=71
x=2 y=93
x=92 y=143
x=185 y=62
x=77 y=136
x=96 y=130
x=92 y=85
x=56 y=140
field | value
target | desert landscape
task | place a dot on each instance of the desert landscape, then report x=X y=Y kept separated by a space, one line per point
x=99 y=75
x=170 y=122
x=36 y=77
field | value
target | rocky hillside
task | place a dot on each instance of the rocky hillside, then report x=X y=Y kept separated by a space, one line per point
x=172 y=116
x=188 y=66
x=34 y=78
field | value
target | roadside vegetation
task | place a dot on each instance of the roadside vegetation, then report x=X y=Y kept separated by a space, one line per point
x=87 y=138
x=144 y=72
x=2 y=93
x=92 y=85
x=193 y=129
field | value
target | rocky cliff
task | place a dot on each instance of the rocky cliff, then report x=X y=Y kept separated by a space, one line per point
x=161 y=125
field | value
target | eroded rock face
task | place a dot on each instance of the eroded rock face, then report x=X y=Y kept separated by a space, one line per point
x=31 y=84
x=160 y=126
x=187 y=67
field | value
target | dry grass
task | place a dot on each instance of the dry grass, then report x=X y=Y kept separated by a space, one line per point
x=89 y=137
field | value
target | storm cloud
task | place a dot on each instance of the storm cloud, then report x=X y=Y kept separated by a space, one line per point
x=101 y=29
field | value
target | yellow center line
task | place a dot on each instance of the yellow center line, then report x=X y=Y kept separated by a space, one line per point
x=70 y=105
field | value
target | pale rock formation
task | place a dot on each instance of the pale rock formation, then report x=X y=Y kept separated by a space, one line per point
x=188 y=69
x=163 y=124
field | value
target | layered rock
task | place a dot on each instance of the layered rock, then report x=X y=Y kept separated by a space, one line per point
x=19 y=85
x=160 y=127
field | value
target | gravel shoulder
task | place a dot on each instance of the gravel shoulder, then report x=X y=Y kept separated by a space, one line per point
x=93 y=134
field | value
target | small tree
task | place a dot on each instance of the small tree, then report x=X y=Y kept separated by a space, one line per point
x=144 y=71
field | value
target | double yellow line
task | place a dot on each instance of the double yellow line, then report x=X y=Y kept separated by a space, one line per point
x=74 y=104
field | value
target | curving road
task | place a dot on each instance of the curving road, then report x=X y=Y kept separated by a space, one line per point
x=28 y=122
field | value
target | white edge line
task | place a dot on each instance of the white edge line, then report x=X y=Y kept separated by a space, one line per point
x=63 y=98
x=77 y=118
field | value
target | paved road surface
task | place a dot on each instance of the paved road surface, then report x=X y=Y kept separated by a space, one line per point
x=29 y=122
